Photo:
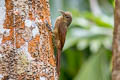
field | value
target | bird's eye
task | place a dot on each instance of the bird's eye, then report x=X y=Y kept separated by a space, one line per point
x=67 y=16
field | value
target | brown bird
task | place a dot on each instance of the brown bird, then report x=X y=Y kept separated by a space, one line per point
x=61 y=25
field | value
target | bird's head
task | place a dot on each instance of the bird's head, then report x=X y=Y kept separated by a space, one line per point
x=67 y=17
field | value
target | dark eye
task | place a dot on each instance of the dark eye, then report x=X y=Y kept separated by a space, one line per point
x=67 y=16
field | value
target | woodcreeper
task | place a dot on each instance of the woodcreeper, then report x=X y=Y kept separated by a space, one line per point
x=59 y=32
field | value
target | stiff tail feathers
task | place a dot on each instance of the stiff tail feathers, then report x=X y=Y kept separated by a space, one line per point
x=58 y=61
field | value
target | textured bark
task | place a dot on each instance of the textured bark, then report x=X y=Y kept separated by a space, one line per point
x=26 y=51
x=116 y=43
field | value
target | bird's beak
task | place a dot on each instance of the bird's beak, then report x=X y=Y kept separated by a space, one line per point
x=62 y=12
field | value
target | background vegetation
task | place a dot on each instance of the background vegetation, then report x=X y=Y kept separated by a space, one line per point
x=88 y=48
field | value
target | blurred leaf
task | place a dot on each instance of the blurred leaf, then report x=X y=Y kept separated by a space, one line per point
x=95 y=69
x=71 y=61
x=95 y=46
x=97 y=20
x=106 y=7
x=93 y=36
x=82 y=44
x=100 y=21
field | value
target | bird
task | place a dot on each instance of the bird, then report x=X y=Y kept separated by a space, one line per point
x=62 y=24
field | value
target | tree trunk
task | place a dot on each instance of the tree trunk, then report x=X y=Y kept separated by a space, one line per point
x=26 y=51
x=116 y=43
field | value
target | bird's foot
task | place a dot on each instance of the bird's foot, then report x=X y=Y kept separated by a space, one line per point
x=48 y=26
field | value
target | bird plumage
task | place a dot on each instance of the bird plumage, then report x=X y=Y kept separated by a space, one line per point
x=60 y=30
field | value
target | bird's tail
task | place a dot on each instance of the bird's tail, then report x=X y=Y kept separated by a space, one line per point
x=58 y=61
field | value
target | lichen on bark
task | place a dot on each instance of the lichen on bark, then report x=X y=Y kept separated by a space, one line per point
x=26 y=50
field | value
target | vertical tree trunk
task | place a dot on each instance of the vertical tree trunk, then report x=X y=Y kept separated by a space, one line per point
x=116 y=43
x=26 y=51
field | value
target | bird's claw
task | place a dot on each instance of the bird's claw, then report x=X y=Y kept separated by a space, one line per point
x=48 y=26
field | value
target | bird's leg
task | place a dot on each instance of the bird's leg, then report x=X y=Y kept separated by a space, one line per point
x=48 y=26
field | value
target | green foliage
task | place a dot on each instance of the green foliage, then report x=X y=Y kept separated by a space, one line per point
x=96 y=68
x=87 y=51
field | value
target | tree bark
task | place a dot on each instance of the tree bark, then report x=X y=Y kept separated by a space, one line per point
x=116 y=43
x=26 y=51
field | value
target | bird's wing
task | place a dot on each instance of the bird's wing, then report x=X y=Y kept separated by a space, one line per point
x=62 y=34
